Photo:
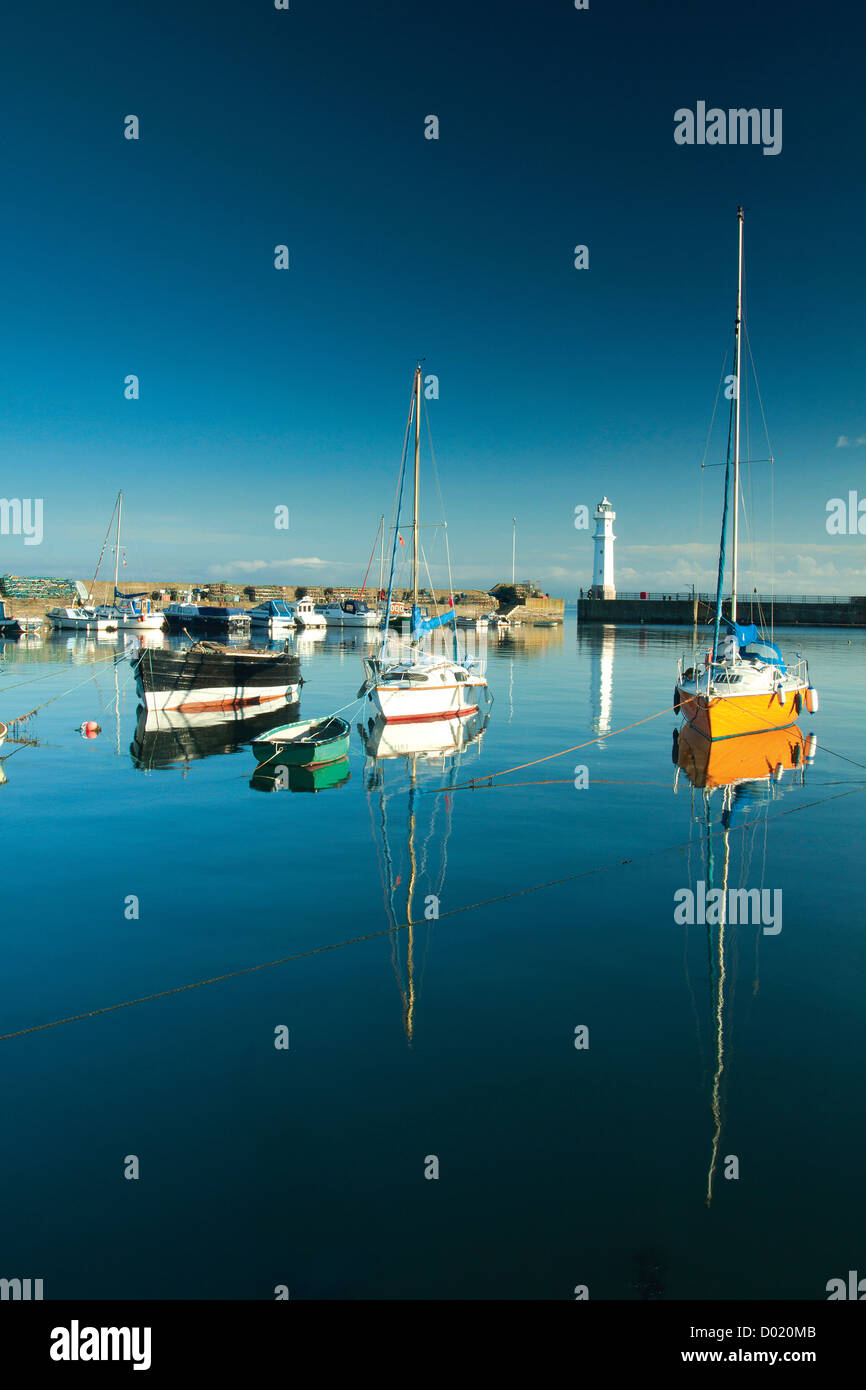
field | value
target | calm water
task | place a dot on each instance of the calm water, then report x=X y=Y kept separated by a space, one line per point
x=305 y=1167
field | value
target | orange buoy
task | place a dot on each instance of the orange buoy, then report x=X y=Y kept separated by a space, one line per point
x=90 y=728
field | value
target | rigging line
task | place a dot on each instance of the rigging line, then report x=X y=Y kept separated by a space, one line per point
x=88 y=678
x=102 y=551
x=372 y=553
x=487 y=776
x=386 y=931
x=718 y=393
x=61 y=670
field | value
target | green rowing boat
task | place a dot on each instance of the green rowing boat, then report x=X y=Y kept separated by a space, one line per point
x=308 y=743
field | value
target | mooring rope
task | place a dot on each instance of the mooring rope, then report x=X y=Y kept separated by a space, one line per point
x=404 y=926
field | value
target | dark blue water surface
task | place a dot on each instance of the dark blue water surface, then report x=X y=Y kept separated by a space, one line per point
x=451 y=1037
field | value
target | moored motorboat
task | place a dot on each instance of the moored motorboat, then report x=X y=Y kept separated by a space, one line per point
x=306 y=615
x=203 y=617
x=211 y=676
x=12 y=626
x=350 y=612
x=306 y=743
x=81 y=618
x=275 y=614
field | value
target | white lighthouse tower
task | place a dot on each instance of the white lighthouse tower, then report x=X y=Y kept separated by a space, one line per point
x=602 y=573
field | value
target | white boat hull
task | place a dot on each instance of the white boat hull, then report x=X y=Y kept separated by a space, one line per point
x=148 y=622
x=419 y=704
x=219 y=697
x=364 y=620
x=81 y=621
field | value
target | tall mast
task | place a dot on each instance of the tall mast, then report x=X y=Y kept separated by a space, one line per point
x=117 y=543
x=417 y=473
x=738 y=339
x=381 y=555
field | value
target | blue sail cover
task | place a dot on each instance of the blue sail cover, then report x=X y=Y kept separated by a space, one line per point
x=751 y=644
x=119 y=594
x=744 y=632
x=420 y=624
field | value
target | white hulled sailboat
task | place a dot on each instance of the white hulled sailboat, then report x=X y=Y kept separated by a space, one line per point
x=423 y=686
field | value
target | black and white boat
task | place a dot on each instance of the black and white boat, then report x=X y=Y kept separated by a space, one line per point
x=203 y=617
x=211 y=676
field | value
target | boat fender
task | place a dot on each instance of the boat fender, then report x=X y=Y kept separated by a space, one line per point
x=798 y=702
x=777 y=772
x=811 y=747
x=676 y=700
x=812 y=700
x=795 y=754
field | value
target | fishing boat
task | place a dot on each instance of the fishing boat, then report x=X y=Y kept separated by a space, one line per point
x=498 y=622
x=306 y=743
x=742 y=684
x=306 y=615
x=275 y=614
x=423 y=686
x=203 y=617
x=212 y=676
x=477 y=624
x=350 y=612
x=12 y=626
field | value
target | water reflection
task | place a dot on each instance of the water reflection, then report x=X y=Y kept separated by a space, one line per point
x=174 y=738
x=733 y=785
x=409 y=773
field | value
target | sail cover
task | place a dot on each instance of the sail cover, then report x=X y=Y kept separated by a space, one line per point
x=420 y=624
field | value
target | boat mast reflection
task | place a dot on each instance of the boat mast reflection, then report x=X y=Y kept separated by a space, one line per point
x=413 y=859
x=741 y=779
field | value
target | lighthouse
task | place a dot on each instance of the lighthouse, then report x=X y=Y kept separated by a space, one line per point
x=602 y=572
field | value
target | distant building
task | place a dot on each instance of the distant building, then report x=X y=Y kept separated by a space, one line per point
x=602 y=574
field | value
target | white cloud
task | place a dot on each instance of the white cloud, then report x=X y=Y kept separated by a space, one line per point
x=843 y=441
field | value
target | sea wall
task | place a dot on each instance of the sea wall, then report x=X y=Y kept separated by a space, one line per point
x=689 y=612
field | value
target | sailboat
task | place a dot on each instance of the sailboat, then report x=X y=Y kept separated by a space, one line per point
x=742 y=684
x=129 y=611
x=424 y=686
x=133 y=612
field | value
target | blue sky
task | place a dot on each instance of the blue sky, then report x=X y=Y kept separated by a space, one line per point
x=261 y=387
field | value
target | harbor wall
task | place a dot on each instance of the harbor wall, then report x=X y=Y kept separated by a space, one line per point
x=676 y=612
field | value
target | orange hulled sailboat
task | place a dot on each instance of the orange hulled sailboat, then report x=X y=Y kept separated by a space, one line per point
x=742 y=684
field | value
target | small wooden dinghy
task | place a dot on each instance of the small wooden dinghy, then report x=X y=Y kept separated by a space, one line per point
x=308 y=743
